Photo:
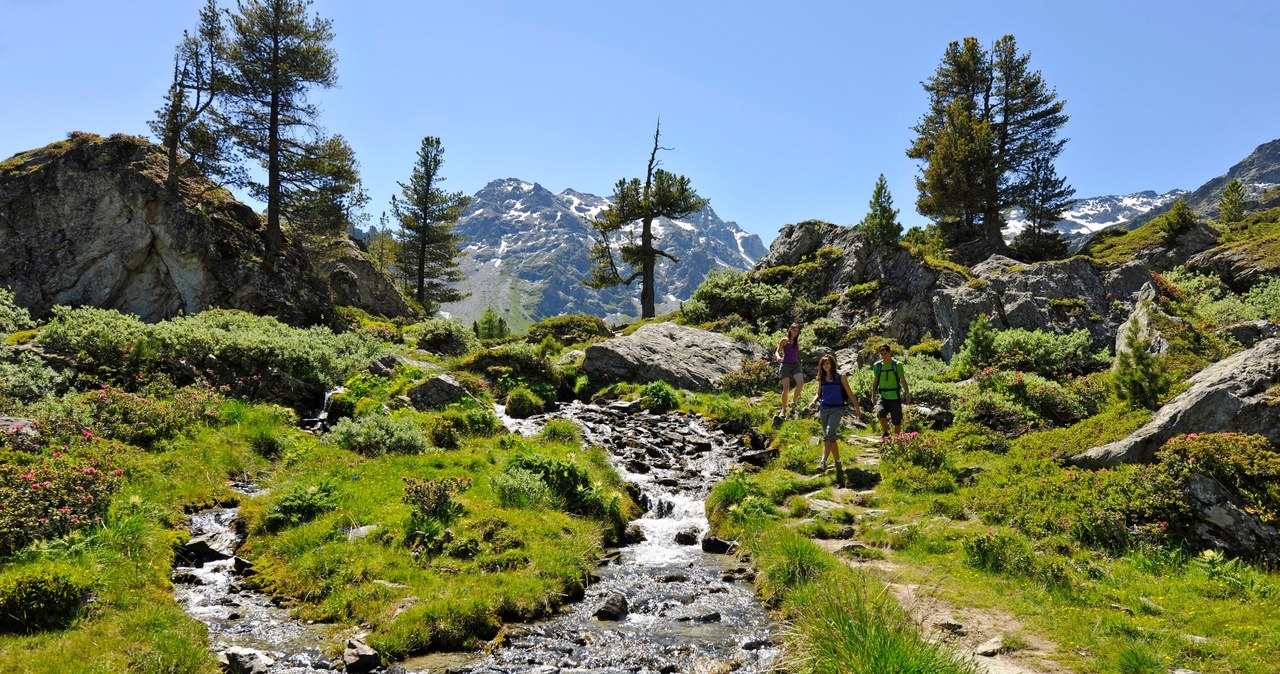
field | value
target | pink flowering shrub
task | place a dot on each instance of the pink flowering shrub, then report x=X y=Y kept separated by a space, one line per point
x=140 y=419
x=1247 y=463
x=51 y=497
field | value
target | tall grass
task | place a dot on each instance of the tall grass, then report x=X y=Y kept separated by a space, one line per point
x=842 y=627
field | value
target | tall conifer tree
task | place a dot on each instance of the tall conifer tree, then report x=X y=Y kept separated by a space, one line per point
x=1043 y=202
x=996 y=117
x=276 y=53
x=427 y=215
x=188 y=124
x=662 y=194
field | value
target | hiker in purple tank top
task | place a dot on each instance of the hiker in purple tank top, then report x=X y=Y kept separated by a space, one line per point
x=833 y=401
x=788 y=355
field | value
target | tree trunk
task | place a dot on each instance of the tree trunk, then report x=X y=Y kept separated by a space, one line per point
x=647 y=279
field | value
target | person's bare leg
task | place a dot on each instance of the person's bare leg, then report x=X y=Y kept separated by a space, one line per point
x=786 y=388
x=799 y=389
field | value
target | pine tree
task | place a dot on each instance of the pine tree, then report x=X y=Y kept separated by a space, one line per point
x=427 y=215
x=1140 y=376
x=1231 y=203
x=881 y=223
x=382 y=245
x=324 y=194
x=1043 y=203
x=188 y=124
x=979 y=348
x=491 y=325
x=662 y=194
x=990 y=120
x=275 y=54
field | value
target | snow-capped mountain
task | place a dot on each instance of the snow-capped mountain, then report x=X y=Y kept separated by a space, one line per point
x=527 y=251
x=1087 y=216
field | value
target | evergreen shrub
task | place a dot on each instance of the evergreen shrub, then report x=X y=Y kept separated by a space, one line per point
x=53 y=495
x=517 y=487
x=523 y=403
x=753 y=377
x=301 y=503
x=24 y=377
x=13 y=317
x=1249 y=464
x=42 y=596
x=375 y=435
x=659 y=397
x=569 y=329
x=443 y=336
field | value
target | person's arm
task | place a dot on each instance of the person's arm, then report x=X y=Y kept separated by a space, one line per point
x=875 y=387
x=857 y=408
x=778 y=351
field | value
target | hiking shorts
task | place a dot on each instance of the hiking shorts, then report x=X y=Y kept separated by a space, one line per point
x=830 y=417
x=890 y=408
x=791 y=371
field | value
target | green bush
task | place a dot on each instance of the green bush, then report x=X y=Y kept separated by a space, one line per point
x=523 y=403
x=512 y=365
x=994 y=411
x=927 y=346
x=658 y=396
x=517 y=487
x=13 y=317
x=25 y=377
x=726 y=292
x=142 y=419
x=979 y=349
x=1175 y=221
x=561 y=430
x=443 y=336
x=1099 y=509
x=1043 y=397
x=376 y=435
x=302 y=503
x=444 y=433
x=569 y=329
x=826 y=332
x=1116 y=422
x=1140 y=376
x=1248 y=463
x=1046 y=353
x=472 y=418
x=433 y=499
x=755 y=376
x=41 y=596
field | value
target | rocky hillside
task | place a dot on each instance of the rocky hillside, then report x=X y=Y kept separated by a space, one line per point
x=87 y=221
x=867 y=290
x=1259 y=172
x=527 y=253
x=1087 y=216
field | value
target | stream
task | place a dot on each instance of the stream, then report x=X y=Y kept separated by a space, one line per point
x=659 y=604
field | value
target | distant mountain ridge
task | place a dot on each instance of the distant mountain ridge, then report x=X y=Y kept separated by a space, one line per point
x=527 y=251
x=1259 y=172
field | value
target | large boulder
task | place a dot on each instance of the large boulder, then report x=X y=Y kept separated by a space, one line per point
x=683 y=357
x=436 y=392
x=1232 y=395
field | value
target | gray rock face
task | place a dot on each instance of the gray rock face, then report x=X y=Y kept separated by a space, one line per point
x=1061 y=296
x=89 y=222
x=436 y=392
x=1221 y=524
x=355 y=282
x=1228 y=396
x=683 y=357
x=1250 y=333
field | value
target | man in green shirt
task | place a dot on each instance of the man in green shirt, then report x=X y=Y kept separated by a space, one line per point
x=889 y=392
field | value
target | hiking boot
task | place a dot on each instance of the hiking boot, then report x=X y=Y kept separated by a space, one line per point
x=822 y=466
x=839 y=475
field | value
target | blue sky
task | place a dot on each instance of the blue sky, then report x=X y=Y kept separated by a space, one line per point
x=778 y=112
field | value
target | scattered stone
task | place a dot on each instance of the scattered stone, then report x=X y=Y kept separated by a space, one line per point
x=687 y=537
x=718 y=546
x=991 y=647
x=674 y=578
x=1200 y=641
x=857 y=478
x=242 y=566
x=757 y=644
x=952 y=628
x=361 y=532
x=436 y=392
x=237 y=660
x=1123 y=609
x=613 y=608
x=359 y=657
x=713 y=617
x=187 y=578
x=633 y=535
x=1151 y=606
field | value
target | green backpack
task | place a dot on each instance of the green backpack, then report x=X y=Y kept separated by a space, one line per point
x=897 y=376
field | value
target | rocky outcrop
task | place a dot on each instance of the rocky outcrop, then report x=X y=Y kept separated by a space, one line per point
x=684 y=357
x=436 y=392
x=355 y=282
x=1231 y=395
x=908 y=296
x=1221 y=523
x=88 y=221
